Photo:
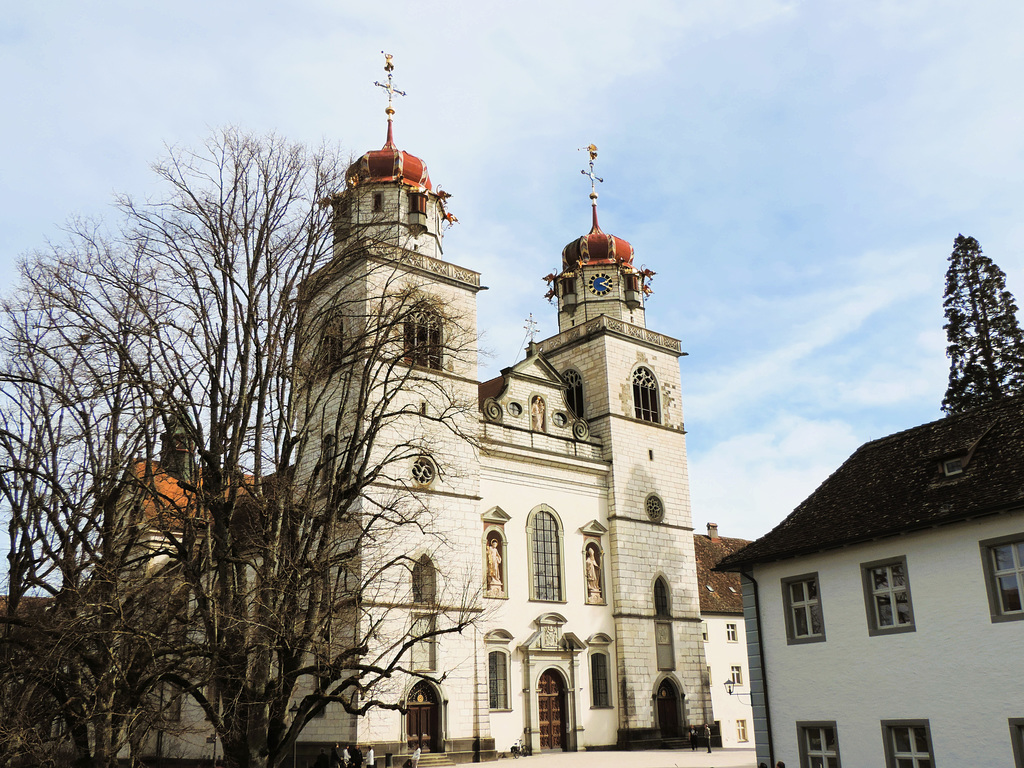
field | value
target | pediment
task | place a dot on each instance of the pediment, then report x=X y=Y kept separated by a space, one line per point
x=536 y=368
x=496 y=515
x=498 y=636
x=593 y=528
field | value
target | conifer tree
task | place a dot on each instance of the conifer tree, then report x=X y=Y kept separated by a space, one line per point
x=984 y=340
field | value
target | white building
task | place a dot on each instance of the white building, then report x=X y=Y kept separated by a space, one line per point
x=569 y=512
x=887 y=608
x=725 y=638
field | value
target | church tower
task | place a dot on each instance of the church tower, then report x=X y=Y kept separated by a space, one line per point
x=395 y=327
x=624 y=380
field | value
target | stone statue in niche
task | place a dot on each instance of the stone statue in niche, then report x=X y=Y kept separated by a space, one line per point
x=537 y=414
x=495 y=587
x=593 y=570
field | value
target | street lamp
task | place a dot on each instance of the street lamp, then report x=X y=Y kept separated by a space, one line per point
x=293 y=711
x=730 y=687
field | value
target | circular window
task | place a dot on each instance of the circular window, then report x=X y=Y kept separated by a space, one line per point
x=423 y=471
x=515 y=409
x=560 y=419
x=655 y=508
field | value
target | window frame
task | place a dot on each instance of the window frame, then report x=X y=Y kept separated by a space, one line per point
x=423 y=337
x=742 y=732
x=732 y=633
x=573 y=394
x=870 y=593
x=888 y=727
x=803 y=727
x=736 y=674
x=558 y=550
x=1017 y=740
x=596 y=702
x=664 y=650
x=995 y=603
x=791 y=636
x=648 y=410
x=492 y=675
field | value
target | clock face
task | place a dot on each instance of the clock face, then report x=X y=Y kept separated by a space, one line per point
x=600 y=284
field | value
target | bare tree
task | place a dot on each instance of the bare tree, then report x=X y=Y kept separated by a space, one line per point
x=209 y=424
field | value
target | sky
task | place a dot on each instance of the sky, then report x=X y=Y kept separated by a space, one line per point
x=794 y=172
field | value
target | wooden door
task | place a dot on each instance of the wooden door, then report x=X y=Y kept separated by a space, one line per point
x=551 y=711
x=668 y=710
x=422 y=720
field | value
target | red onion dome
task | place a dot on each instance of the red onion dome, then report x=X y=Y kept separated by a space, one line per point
x=597 y=248
x=389 y=164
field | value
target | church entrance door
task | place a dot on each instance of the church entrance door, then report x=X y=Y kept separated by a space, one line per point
x=422 y=721
x=551 y=711
x=668 y=710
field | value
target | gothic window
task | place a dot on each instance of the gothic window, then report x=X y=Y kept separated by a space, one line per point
x=423 y=471
x=497 y=679
x=547 y=557
x=645 y=396
x=574 y=392
x=424 y=581
x=662 y=605
x=422 y=337
x=332 y=345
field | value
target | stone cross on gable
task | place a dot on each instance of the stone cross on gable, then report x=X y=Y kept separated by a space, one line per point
x=531 y=328
x=389 y=86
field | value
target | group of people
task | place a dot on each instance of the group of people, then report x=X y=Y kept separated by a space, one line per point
x=696 y=735
x=345 y=757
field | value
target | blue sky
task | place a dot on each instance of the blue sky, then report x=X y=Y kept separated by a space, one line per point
x=795 y=173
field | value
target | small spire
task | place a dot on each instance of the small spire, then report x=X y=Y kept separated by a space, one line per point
x=389 y=67
x=591 y=149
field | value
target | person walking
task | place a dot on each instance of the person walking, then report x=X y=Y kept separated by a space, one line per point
x=416 y=758
x=693 y=738
x=370 y=760
x=336 y=757
x=355 y=756
x=707 y=736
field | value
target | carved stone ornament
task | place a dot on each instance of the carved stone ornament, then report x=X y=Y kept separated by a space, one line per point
x=492 y=410
x=580 y=430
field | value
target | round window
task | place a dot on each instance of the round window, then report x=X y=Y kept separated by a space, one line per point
x=423 y=471
x=655 y=508
x=560 y=419
x=515 y=409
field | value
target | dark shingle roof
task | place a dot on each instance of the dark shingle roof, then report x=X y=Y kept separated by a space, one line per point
x=720 y=598
x=896 y=484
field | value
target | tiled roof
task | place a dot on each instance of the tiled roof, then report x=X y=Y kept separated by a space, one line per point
x=896 y=484
x=724 y=595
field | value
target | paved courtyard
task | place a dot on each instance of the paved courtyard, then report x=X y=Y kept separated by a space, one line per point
x=655 y=758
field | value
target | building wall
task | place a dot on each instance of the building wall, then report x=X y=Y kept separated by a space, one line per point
x=722 y=654
x=958 y=669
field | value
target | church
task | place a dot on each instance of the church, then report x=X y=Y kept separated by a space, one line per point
x=566 y=511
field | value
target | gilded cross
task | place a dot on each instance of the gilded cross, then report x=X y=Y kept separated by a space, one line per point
x=592 y=151
x=389 y=86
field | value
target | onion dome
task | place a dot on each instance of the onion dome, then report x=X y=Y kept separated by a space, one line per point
x=597 y=248
x=389 y=164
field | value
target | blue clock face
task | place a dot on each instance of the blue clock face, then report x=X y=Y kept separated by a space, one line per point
x=600 y=284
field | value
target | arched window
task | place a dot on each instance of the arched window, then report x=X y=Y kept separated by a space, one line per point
x=424 y=581
x=422 y=335
x=547 y=557
x=645 y=395
x=574 y=392
x=327 y=450
x=497 y=679
x=662 y=605
x=332 y=345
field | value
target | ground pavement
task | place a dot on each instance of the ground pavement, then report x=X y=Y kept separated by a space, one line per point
x=654 y=758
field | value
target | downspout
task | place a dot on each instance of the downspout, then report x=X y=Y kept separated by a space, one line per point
x=749 y=574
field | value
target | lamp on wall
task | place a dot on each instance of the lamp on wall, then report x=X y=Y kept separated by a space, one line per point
x=730 y=687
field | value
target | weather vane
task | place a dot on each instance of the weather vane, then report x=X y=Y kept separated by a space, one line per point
x=389 y=67
x=592 y=150
x=531 y=328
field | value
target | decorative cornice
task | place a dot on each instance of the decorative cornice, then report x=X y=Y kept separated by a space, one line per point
x=617 y=327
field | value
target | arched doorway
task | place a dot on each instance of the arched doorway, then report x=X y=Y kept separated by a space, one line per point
x=422 y=719
x=668 y=710
x=551 y=711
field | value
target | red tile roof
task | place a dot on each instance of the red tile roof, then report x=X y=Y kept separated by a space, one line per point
x=724 y=595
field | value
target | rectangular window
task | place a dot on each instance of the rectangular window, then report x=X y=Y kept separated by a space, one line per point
x=497 y=679
x=736 y=674
x=663 y=641
x=908 y=744
x=704 y=630
x=424 y=651
x=730 y=633
x=741 y=730
x=805 y=622
x=819 y=747
x=1017 y=740
x=599 y=679
x=887 y=597
x=1003 y=563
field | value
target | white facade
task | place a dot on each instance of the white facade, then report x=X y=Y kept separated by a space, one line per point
x=726 y=654
x=958 y=671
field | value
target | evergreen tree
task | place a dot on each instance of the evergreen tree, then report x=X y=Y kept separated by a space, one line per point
x=984 y=340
